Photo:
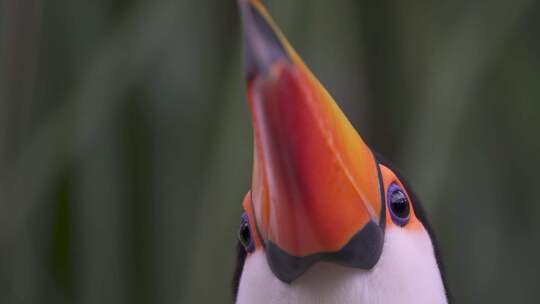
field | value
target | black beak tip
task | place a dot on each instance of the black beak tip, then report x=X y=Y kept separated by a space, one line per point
x=262 y=47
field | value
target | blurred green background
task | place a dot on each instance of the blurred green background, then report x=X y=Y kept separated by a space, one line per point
x=125 y=141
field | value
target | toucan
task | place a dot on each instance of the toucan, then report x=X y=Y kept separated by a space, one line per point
x=326 y=220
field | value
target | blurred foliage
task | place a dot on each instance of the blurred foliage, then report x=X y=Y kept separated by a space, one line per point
x=125 y=142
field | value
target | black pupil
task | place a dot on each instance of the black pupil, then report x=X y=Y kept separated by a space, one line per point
x=245 y=235
x=399 y=204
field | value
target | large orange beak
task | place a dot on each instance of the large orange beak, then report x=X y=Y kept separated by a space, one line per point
x=316 y=189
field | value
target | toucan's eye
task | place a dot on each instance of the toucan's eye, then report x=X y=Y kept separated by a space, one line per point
x=244 y=234
x=398 y=203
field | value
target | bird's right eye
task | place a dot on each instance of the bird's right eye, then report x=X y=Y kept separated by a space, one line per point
x=244 y=234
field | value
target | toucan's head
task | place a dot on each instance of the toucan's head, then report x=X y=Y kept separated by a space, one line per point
x=326 y=220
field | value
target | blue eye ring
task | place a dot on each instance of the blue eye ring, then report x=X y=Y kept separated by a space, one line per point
x=398 y=204
x=244 y=234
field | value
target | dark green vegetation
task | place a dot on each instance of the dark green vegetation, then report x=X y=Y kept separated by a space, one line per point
x=125 y=142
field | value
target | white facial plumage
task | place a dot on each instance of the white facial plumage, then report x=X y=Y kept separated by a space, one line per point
x=407 y=272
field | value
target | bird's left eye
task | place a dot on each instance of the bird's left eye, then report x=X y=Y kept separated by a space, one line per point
x=398 y=203
x=244 y=234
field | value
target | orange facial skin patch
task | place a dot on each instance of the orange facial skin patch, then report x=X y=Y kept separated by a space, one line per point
x=388 y=178
x=253 y=227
